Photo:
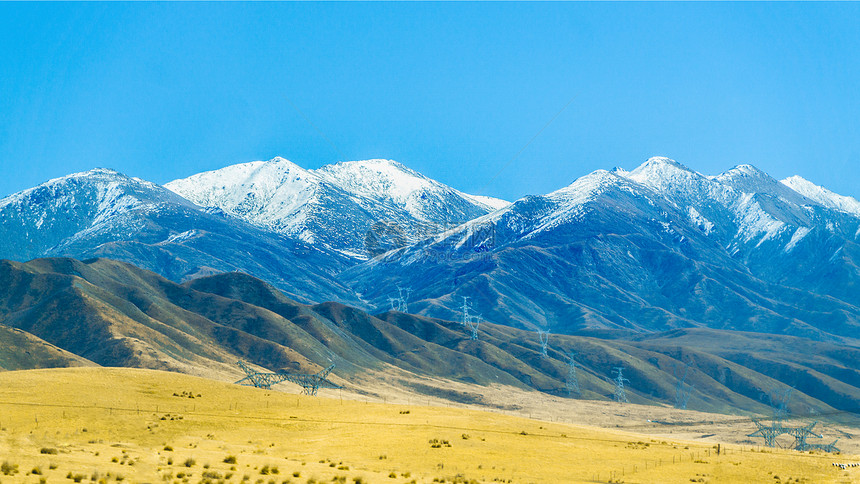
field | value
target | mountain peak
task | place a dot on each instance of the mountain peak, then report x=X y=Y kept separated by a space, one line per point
x=659 y=165
x=662 y=160
x=661 y=173
x=377 y=177
x=742 y=171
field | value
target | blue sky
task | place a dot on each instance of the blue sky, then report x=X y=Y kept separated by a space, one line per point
x=453 y=90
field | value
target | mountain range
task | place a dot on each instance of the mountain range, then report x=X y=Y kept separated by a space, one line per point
x=66 y=312
x=658 y=248
x=355 y=208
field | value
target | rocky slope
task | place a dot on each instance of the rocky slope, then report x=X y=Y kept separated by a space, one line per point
x=359 y=208
x=113 y=314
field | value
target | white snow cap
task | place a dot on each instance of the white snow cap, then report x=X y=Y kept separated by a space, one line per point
x=741 y=171
x=822 y=195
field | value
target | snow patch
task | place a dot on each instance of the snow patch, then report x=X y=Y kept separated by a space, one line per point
x=706 y=225
x=798 y=235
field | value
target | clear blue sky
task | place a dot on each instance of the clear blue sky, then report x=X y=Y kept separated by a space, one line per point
x=455 y=91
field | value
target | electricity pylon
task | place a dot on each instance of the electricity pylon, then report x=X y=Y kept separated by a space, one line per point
x=620 y=395
x=399 y=303
x=572 y=383
x=309 y=383
x=544 y=339
x=682 y=390
x=471 y=321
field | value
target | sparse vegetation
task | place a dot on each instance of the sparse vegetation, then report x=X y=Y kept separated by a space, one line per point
x=8 y=469
x=260 y=460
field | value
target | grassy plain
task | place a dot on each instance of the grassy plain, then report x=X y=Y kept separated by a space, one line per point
x=128 y=425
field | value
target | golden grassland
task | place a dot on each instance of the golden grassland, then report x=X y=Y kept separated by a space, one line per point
x=127 y=425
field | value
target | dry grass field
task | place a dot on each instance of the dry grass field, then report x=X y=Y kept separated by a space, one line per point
x=127 y=425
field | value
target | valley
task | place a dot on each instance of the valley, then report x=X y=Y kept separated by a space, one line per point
x=129 y=425
x=648 y=312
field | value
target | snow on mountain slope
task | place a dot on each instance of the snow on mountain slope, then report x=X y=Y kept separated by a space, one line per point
x=103 y=213
x=741 y=206
x=65 y=210
x=822 y=195
x=269 y=194
x=749 y=179
x=357 y=208
x=658 y=246
x=530 y=216
x=489 y=202
x=387 y=181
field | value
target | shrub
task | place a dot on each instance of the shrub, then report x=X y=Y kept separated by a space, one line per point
x=189 y=462
x=8 y=469
x=230 y=459
x=48 y=450
x=168 y=448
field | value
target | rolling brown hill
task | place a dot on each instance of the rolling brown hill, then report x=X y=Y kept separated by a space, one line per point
x=65 y=312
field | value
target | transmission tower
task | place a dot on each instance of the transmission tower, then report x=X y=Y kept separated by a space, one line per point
x=831 y=447
x=620 y=395
x=309 y=383
x=466 y=308
x=544 y=339
x=768 y=432
x=399 y=303
x=572 y=383
x=470 y=321
x=473 y=323
x=778 y=401
x=682 y=389
x=800 y=435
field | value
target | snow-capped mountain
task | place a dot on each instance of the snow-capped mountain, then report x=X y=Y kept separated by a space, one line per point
x=68 y=211
x=660 y=246
x=657 y=247
x=822 y=195
x=103 y=213
x=360 y=208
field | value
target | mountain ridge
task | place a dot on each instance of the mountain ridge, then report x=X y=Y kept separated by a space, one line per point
x=654 y=248
x=111 y=313
x=368 y=200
